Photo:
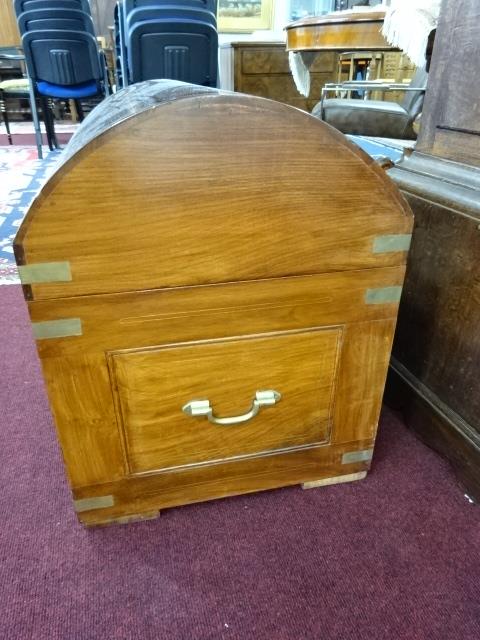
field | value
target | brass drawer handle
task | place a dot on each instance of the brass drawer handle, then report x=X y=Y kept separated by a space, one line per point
x=203 y=408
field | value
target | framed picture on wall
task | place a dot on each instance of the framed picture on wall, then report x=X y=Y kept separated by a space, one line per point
x=246 y=16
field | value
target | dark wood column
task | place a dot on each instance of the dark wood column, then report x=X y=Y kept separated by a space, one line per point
x=435 y=371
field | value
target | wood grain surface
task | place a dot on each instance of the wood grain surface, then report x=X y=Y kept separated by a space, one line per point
x=351 y=32
x=217 y=204
x=434 y=378
x=153 y=384
x=262 y=69
x=451 y=114
x=78 y=378
x=218 y=245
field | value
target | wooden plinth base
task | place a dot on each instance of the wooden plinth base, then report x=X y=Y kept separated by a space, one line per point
x=351 y=477
x=137 y=517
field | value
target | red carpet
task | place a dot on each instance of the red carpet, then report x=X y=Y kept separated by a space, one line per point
x=394 y=557
x=28 y=139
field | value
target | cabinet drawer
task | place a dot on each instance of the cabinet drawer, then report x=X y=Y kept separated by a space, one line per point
x=153 y=385
x=275 y=60
x=282 y=88
x=261 y=61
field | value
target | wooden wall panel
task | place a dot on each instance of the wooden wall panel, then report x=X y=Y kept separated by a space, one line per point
x=9 y=35
x=452 y=103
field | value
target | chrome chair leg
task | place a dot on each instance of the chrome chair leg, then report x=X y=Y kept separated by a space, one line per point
x=51 y=118
x=3 y=111
x=79 y=108
x=46 y=121
x=36 y=121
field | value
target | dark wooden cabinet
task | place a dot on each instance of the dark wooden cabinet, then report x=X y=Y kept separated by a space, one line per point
x=435 y=368
x=262 y=69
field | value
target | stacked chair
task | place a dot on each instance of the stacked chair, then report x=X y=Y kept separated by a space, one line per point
x=62 y=56
x=174 y=39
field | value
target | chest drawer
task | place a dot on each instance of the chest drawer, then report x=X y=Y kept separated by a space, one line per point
x=153 y=385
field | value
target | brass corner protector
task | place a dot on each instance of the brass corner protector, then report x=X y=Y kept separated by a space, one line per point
x=383 y=295
x=44 y=272
x=364 y=455
x=89 y=504
x=57 y=328
x=392 y=243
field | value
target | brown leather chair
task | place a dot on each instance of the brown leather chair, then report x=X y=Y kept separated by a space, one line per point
x=374 y=117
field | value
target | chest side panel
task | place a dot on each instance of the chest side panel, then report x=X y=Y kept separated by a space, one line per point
x=117 y=389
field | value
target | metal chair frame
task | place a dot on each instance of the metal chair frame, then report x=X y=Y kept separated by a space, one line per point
x=33 y=105
x=355 y=85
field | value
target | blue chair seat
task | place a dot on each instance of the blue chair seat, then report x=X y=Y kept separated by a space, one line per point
x=72 y=92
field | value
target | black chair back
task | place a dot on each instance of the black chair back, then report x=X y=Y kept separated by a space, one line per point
x=48 y=19
x=185 y=50
x=62 y=57
x=208 y=5
x=21 y=6
x=174 y=12
x=119 y=44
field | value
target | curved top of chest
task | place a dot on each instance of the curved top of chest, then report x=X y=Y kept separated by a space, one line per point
x=168 y=185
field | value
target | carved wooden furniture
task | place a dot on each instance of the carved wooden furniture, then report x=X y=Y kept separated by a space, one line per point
x=345 y=34
x=353 y=31
x=213 y=307
x=435 y=369
x=261 y=69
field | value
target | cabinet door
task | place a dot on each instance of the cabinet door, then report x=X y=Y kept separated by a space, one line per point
x=155 y=389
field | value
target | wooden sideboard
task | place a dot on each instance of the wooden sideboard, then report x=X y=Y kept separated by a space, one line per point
x=434 y=376
x=262 y=69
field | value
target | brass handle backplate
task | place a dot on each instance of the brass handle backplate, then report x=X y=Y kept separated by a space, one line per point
x=203 y=408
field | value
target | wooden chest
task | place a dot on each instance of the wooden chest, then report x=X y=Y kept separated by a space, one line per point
x=213 y=282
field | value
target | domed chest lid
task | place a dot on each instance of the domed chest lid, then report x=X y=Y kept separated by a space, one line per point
x=171 y=185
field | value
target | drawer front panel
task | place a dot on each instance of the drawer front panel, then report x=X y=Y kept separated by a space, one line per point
x=275 y=60
x=152 y=386
x=282 y=87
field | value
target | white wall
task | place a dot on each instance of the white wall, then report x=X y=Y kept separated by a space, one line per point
x=225 y=58
x=280 y=19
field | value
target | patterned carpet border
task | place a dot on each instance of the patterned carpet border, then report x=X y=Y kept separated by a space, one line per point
x=22 y=175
